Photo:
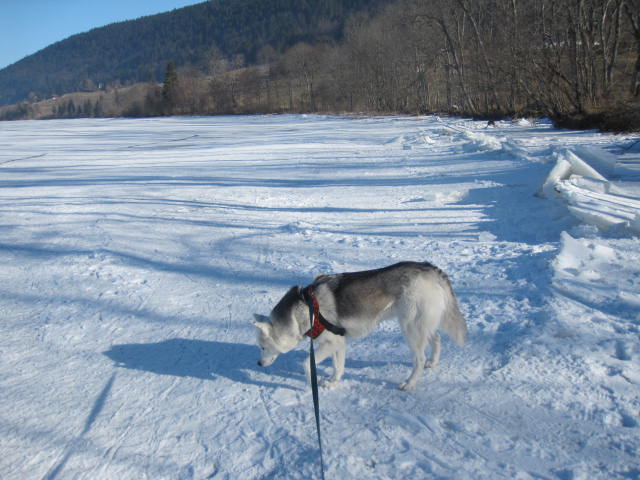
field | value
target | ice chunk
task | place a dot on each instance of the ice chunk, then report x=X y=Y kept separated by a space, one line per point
x=597 y=158
x=567 y=164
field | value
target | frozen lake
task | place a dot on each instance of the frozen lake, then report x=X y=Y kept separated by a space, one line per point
x=133 y=254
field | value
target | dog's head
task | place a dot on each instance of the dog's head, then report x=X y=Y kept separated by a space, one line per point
x=268 y=347
x=280 y=332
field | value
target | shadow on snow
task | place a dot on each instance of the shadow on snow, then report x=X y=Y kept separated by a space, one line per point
x=205 y=360
x=208 y=360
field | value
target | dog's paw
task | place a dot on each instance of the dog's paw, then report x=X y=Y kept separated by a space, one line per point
x=430 y=364
x=328 y=384
x=406 y=386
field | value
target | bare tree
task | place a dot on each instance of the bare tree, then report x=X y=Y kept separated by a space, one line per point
x=250 y=84
x=632 y=9
x=215 y=62
x=610 y=33
x=301 y=62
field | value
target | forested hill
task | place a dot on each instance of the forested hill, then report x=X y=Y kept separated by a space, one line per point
x=138 y=50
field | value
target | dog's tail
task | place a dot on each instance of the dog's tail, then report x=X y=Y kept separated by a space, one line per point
x=452 y=322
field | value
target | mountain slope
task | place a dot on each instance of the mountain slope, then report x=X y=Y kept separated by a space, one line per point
x=138 y=50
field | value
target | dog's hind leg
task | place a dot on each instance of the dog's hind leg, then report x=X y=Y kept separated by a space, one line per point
x=434 y=341
x=416 y=336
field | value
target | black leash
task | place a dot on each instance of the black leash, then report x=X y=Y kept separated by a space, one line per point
x=314 y=390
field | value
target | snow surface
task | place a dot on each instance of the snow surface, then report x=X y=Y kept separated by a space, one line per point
x=134 y=252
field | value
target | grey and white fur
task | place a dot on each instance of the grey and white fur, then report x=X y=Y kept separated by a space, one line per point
x=419 y=295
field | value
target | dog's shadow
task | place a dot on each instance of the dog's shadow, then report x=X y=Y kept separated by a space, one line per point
x=201 y=359
x=207 y=360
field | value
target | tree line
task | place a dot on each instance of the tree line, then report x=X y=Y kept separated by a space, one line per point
x=484 y=58
x=573 y=60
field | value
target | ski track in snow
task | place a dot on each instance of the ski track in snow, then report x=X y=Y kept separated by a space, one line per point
x=134 y=252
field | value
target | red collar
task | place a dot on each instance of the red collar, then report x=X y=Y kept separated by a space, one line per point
x=320 y=324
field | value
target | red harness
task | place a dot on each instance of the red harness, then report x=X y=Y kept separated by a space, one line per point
x=320 y=324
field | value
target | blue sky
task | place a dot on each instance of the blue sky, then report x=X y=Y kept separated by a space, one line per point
x=27 y=26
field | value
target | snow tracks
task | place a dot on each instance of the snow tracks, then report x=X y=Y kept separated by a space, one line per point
x=134 y=253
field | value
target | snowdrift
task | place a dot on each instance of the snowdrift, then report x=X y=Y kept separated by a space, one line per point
x=578 y=179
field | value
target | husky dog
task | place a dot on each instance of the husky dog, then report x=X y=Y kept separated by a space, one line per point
x=350 y=305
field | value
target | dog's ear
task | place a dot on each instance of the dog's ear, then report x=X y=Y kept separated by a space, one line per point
x=262 y=323
x=260 y=318
x=299 y=291
x=264 y=327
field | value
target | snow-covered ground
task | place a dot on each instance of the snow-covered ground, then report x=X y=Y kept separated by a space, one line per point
x=133 y=254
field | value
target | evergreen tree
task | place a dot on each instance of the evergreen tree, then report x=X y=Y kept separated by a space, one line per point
x=170 y=85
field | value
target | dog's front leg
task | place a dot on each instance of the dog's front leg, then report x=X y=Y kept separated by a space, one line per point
x=338 y=358
x=325 y=347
